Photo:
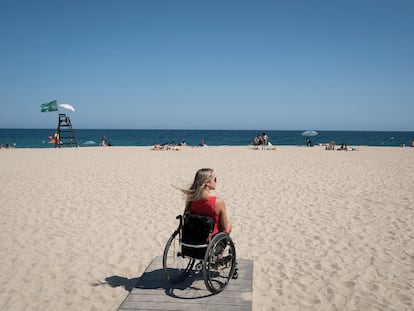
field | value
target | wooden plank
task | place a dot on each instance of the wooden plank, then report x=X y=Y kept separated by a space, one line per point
x=154 y=292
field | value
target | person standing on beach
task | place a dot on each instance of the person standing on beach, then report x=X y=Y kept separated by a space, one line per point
x=200 y=201
x=265 y=139
x=257 y=141
x=103 y=141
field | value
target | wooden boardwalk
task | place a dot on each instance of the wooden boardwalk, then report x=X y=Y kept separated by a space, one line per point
x=153 y=292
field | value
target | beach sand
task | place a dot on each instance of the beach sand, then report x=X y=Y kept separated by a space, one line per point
x=327 y=230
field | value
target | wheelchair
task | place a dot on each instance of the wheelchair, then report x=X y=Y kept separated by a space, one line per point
x=193 y=241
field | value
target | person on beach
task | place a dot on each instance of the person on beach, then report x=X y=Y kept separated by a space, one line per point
x=265 y=140
x=200 y=201
x=344 y=147
x=103 y=141
x=256 y=142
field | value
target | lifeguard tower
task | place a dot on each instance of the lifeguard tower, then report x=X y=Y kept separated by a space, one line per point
x=65 y=137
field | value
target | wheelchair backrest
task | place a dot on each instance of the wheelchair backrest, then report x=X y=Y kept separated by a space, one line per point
x=196 y=229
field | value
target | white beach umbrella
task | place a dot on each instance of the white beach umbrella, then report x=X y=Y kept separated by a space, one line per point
x=67 y=106
x=310 y=133
x=89 y=142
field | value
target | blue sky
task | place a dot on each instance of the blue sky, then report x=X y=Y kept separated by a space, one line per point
x=275 y=65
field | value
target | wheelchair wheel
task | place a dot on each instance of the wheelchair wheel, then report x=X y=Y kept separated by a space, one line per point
x=176 y=266
x=219 y=263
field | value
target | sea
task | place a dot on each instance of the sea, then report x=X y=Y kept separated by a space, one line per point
x=38 y=138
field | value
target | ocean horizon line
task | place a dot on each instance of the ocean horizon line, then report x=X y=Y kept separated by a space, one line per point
x=181 y=129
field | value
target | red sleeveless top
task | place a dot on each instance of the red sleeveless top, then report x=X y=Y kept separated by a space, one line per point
x=206 y=208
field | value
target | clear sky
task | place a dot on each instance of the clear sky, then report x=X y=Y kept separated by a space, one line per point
x=275 y=65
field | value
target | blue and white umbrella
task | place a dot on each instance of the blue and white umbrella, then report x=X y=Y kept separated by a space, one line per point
x=89 y=142
x=310 y=133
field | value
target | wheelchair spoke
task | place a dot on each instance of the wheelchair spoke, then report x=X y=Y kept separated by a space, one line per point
x=219 y=263
x=176 y=265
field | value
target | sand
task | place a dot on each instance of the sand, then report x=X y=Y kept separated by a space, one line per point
x=327 y=230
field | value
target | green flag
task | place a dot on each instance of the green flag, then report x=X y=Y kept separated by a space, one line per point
x=51 y=106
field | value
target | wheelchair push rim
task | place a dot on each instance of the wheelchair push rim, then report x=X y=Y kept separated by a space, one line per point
x=219 y=263
x=176 y=266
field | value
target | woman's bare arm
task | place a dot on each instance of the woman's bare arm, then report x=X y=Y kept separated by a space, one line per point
x=221 y=212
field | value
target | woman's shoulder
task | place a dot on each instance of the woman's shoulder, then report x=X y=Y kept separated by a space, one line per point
x=219 y=201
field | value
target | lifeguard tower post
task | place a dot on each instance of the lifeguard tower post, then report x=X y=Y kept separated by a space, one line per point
x=66 y=136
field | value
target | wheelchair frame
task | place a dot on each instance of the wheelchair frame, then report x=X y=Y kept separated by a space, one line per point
x=217 y=258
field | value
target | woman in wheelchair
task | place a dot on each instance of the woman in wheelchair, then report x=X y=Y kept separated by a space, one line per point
x=199 y=200
x=203 y=234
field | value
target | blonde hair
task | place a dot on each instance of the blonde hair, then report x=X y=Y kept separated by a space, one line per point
x=197 y=189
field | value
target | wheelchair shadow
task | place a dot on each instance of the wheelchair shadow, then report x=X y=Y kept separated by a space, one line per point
x=192 y=287
x=117 y=281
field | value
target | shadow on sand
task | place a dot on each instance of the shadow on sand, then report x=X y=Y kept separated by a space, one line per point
x=191 y=287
